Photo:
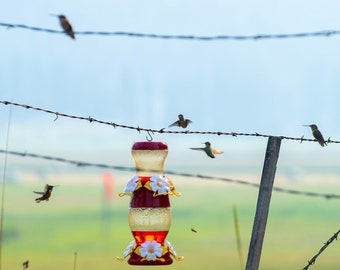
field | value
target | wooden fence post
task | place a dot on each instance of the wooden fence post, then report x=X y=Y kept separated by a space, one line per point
x=263 y=201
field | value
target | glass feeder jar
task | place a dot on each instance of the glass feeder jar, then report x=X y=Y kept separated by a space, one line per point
x=150 y=211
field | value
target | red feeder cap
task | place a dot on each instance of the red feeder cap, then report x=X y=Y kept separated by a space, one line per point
x=149 y=146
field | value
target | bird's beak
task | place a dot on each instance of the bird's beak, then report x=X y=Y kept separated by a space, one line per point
x=306 y=125
x=54 y=15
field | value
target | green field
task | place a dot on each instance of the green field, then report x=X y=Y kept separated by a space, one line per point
x=77 y=219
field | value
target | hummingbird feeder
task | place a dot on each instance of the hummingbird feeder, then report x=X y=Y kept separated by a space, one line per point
x=150 y=211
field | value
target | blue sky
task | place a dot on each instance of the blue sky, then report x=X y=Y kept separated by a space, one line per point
x=266 y=86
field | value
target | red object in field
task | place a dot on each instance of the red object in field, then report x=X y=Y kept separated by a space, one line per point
x=150 y=211
x=108 y=182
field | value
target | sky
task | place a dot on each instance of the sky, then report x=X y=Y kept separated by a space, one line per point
x=266 y=86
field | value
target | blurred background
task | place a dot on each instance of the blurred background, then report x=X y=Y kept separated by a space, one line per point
x=267 y=86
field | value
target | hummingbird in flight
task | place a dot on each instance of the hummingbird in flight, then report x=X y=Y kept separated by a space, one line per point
x=208 y=150
x=65 y=24
x=181 y=122
x=317 y=134
x=25 y=264
x=46 y=194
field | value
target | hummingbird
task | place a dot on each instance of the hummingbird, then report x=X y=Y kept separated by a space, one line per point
x=181 y=122
x=25 y=264
x=65 y=24
x=46 y=194
x=317 y=134
x=208 y=150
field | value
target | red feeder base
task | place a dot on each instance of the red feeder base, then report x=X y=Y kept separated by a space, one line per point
x=135 y=259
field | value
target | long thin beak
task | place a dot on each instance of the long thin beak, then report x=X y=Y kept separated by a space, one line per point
x=56 y=186
x=54 y=15
x=306 y=125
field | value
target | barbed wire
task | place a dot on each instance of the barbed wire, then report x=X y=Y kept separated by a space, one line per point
x=329 y=241
x=169 y=172
x=322 y=33
x=153 y=131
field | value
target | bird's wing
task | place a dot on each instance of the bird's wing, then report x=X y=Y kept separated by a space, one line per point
x=174 y=124
x=37 y=192
x=216 y=151
x=210 y=155
x=200 y=149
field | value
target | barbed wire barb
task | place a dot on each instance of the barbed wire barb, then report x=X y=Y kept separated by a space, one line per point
x=323 y=33
x=169 y=172
x=301 y=139
x=153 y=131
x=329 y=241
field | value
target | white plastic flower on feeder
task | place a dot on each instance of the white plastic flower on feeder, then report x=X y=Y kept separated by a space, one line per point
x=131 y=184
x=159 y=184
x=151 y=250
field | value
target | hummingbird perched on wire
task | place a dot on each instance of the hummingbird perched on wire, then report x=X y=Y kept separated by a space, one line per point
x=181 y=122
x=46 y=194
x=65 y=24
x=317 y=134
x=208 y=150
